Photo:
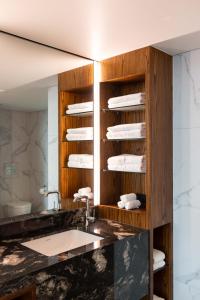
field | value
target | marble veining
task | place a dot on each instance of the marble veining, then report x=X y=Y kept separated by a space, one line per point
x=117 y=266
x=186 y=175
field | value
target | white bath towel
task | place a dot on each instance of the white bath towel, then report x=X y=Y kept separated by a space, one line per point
x=157 y=298
x=126 y=103
x=126 y=127
x=126 y=159
x=79 y=137
x=81 y=158
x=88 y=104
x=158 y=255
x=126 y=134
x=120 y=204
x=135 y=168
x=132 y=204
x=78 y=110
x=128 y=197
x=126 y=98
x=81 y=130
x=85 y=190
x=81 y=165
x=158 y=265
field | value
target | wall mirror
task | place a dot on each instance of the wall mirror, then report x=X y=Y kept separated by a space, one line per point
x=29 y=123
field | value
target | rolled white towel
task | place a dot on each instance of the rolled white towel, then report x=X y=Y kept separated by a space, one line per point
x=81 y=105
x=126 y=127
x=158 y=265
x=124 y=98
x=132 y=204
x=158 y=255
x=79 y=137
x=80 y=130
x=126 y=134
x=128 y=197
x=81 y=157
x=157 y=298
x=126 y=159
x=120 y=204
x=135 y=168
x=78 y=110
x=83 y=191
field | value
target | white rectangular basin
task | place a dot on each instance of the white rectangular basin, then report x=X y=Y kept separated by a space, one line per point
x=61 y=242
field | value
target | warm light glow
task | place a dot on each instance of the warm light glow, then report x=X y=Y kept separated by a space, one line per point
x=96 y=134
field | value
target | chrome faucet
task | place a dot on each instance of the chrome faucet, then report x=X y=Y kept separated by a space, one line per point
x=44 y=192
x=89 y=218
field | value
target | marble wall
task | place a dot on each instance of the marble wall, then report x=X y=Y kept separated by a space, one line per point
x=187 y=176
x=23 y=156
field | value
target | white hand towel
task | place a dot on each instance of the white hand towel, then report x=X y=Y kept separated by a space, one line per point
x=81 y=165
x=126 y=159
x=158 y=255
x=126 y=134
x=83 y=191
x=126 y=127
x=157 y=298
x=126 y=103
x=129 y=97
x=128 y=197
x=78 y=110
x=81 y=157
x=79 y=137
x=158 y=265
x=81 y=130
x=81 y=105
x=135 y=168
x=120 y=204
x=132 y=204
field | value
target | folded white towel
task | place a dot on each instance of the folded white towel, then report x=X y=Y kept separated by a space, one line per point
x=158 y=255
x=81 y=130
x=120 y=204
x=132 y=204
x=126 y=134
x=78 y=110
x=79 y=137
x=128 y=197
x=126 y=127
x=158 y=265
x=81 y=165
x=126 y=103
x=136 y=168
x=81 y=157
x=129 y=97
x=126 y=159
x=157 y=298
x=83 y=191
x=81 y=105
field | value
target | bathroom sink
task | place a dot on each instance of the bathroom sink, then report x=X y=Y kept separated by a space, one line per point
x=61 y=242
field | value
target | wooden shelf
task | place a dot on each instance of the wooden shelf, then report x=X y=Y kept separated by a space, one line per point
x=123 y=140
x=81 y=115
x=125 y=108
x=76 y=168
x=76 y=141
x=107 y=170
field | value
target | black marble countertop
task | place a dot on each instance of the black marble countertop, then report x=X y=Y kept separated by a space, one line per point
x=17 y=261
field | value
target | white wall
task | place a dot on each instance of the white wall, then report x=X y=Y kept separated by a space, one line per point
x=187 y=176
x=52 y=144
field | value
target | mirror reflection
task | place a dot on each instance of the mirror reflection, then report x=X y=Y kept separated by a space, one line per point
x=29 y=125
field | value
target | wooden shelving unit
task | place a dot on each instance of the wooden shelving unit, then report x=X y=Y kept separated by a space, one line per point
x=145 y=70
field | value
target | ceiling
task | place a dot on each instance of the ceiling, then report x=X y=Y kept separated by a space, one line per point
x=100 y=28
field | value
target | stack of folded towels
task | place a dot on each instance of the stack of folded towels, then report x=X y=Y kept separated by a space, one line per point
x=79 y=108
x=129 y=201
x=157 y=298
x=127 y=163
x=80 y=134
x=158 y=259
x=83 y=161
x=126 y=131
x=84 y=192
x=127 y=100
